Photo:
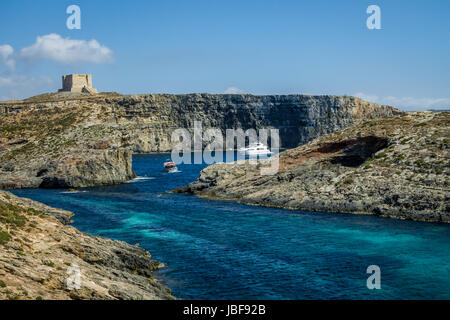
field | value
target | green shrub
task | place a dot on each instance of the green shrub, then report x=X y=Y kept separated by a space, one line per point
x=380 y=155
x=4 y=237
x=49 y=263
x=422 y=164
x=405 y=140
x=33 y=211
x=348 y=181
x=2 y=284
x=10 y=214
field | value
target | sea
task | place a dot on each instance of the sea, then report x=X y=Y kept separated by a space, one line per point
x=214 y=249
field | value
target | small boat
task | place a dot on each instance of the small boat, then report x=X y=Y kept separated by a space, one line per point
x=255 y=149
x=170 y=166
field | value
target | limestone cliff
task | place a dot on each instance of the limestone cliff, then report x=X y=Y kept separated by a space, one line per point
x=394 y=167
x=59 y=140
x=61 y=147
x=37 y=252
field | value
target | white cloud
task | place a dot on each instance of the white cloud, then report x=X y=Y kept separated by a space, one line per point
x=5 y=82
x=407 y=103
x=233 y=90
x=20 y=86
x=55 y=48
x=6 y=52
x=48 y=47
x=367 y=97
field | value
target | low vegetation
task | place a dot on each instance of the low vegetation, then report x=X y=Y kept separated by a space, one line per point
x=12 y=215
x=4 y=238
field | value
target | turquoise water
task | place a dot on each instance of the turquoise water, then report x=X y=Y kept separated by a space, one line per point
x=224 y=250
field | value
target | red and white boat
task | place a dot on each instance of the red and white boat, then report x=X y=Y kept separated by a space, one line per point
x=170 y=166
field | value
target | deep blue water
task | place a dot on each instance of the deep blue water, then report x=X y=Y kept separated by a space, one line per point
x=224 y=250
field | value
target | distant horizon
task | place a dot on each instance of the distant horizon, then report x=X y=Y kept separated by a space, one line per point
x=264 y=47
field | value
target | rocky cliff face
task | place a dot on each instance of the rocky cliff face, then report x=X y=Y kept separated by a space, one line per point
x=300 y=118
x=61 y=146
x=70 y=141
x=394 y=167
x=38 y=253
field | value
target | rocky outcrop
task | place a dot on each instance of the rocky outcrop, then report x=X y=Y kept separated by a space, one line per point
x=39 y=255
x=70 y=141
x=393 y=167
x=58 y=146
x=70 y=170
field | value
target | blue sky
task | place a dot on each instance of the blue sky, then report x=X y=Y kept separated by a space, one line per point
x=258 y=47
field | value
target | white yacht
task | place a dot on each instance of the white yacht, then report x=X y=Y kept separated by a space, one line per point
x=255 y=149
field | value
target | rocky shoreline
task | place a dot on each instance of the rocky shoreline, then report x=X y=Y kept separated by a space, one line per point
x=395 y=167
x=38 y=252
x=60 y=141
x=57 y=141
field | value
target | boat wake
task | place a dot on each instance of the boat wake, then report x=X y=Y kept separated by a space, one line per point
x=139 y=179
x=73 y=191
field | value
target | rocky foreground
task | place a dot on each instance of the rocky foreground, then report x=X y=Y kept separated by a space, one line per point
x=69 y=140
x=394 y=167
x=39 y=253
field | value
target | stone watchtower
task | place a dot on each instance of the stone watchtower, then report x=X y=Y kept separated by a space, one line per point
x=77 y=83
